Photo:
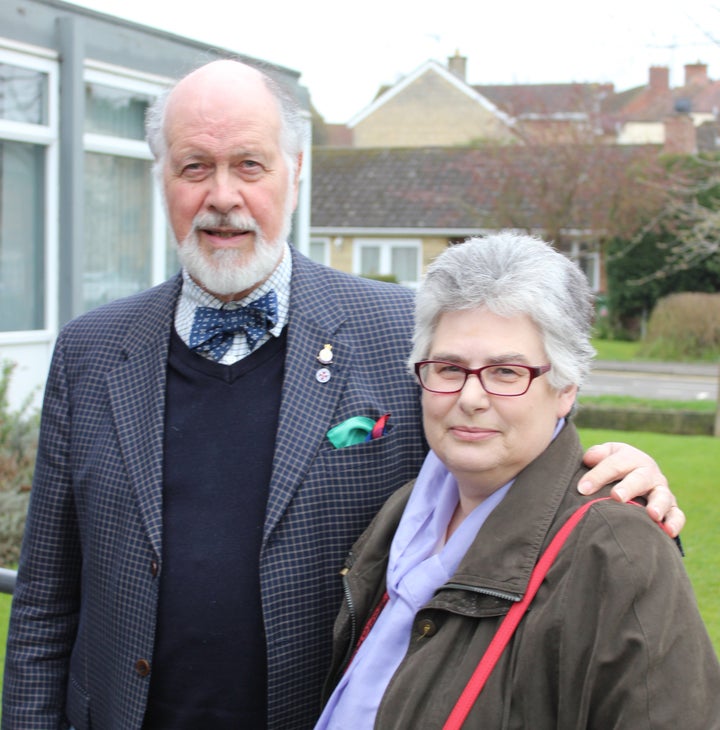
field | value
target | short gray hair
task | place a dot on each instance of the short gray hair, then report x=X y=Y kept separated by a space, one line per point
x=293 y=125
x=513 y=274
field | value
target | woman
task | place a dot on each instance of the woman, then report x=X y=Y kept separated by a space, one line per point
x=613 y=638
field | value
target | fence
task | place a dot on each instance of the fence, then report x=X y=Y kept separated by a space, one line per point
x=7 y=580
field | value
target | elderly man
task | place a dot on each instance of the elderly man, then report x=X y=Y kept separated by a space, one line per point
x=189 y=511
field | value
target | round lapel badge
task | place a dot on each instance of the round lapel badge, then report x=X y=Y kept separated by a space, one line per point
x=323 y=375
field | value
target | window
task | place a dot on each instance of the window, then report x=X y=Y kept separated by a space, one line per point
x=28 y=149
x=319 y=251
x=396 y=259
x=125 y=248
x=587 y=257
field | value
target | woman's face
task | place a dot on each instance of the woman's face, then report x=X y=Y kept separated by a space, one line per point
x=485 y=440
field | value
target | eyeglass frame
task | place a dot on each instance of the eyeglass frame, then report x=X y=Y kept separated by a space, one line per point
x=535 y=371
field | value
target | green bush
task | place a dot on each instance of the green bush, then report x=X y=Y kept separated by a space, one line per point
x=684 y=326
x=18 y=446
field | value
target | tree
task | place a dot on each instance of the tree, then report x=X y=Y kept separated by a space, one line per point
x=675 y=249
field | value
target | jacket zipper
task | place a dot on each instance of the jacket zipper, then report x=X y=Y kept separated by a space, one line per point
x=514 y=597
x=353 y=619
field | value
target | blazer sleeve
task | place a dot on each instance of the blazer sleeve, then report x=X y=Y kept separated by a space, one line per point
x=45 y=605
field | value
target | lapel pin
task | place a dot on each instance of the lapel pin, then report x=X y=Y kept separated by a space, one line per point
x=325 y=356
x=323 y=375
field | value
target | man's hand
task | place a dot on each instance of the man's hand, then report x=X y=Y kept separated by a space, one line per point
x=640 y=477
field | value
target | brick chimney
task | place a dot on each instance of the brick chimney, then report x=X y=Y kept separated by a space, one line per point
x=457 y=66
x=696 y=74
x=659 y=81
x=680 y=135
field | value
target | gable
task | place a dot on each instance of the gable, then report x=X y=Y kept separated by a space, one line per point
x=432 y=107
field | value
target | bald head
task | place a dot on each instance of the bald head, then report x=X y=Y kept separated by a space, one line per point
x=225 y=84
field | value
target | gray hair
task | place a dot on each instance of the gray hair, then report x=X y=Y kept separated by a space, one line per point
x=293 y=125
x=513 y=274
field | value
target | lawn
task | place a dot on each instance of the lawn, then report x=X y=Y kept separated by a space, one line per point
x=690 y=463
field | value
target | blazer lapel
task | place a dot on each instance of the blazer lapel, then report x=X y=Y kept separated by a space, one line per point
x=308 y=403
x=136 y=387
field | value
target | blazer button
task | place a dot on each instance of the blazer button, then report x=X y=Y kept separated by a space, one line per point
x=425 y=628
x=154 y=568
x=142 y=667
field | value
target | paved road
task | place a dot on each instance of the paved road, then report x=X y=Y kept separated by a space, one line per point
x=665 y=381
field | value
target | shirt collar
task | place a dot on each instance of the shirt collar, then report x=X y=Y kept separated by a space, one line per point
x=193 y=296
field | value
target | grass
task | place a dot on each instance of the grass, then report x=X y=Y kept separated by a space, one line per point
x=623 y=401
x=624 y=351
x=690 y=464
x=620 y=350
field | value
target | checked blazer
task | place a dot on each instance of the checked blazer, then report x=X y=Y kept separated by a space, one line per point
x=81 y=636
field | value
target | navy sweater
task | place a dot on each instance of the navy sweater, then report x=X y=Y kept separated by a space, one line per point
x=209 y=667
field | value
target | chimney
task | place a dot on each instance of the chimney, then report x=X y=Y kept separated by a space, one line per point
x=696 y=74
x=659 y=81
x=680 y=135
x=457 y=65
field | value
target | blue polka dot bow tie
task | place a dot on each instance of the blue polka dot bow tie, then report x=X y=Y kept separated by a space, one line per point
x=213 y=329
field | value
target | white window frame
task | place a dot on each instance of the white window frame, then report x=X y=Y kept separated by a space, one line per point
x=386 y=246
x=121 y=78
x=578 y=253
x=46 y=135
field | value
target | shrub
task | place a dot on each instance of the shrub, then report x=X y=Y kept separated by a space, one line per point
x=18 y=447
x=684 y=326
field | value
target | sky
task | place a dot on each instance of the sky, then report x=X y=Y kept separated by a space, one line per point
x=347 y=50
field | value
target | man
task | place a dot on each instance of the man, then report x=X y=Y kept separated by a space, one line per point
x=189 y=511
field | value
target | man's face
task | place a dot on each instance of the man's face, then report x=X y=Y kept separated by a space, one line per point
x=229 y=190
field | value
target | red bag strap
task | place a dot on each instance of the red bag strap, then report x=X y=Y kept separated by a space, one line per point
x=510 y=622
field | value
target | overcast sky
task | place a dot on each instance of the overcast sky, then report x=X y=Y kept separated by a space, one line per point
x=347 y=50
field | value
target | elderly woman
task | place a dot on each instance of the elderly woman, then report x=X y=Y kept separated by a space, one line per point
x=613 y=637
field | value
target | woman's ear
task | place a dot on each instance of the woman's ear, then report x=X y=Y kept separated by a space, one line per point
x=566 y=400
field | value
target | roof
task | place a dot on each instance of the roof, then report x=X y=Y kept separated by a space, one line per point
x=389 y=92
x=445 y=188
x=542 y=100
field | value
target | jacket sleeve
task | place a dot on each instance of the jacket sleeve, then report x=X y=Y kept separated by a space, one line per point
x=634 y=652
x=45 y=606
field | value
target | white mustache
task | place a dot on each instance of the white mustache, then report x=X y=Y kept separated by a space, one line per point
x=233 y=221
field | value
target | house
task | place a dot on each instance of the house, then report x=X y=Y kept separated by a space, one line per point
x=389 y=211
x=684 y=119
x=80 y=221
x=436 y=106
x=433 y=106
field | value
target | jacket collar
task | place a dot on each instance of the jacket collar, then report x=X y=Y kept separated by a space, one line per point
x=524 y=521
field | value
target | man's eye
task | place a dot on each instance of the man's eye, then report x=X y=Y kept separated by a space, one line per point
x=193 y=169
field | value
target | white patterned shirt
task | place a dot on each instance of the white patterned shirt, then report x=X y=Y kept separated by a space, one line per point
x=193 y=296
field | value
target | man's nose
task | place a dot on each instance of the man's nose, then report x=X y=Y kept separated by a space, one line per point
x=225 y=192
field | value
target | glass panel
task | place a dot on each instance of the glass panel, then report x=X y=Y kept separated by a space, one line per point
x=118 y=228
x=22 y=231
x=588 y=263
x=172 y=264
x=370 y=261
x=23 y=94
x=317 y=251
x=405 y=263
x=115 y=112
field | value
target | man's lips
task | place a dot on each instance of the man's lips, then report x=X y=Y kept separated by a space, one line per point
x=225 y=237
x=224 y=232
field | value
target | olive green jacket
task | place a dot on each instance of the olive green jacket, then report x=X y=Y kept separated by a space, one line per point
x=613 y=639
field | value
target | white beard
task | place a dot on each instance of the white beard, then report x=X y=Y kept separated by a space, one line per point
x=230 y=271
